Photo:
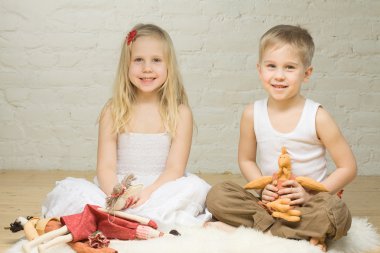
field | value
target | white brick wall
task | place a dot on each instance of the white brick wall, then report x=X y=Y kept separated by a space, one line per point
x=58 y=59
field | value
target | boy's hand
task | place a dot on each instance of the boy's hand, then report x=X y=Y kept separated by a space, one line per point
x=269 y=193
x=294 y=191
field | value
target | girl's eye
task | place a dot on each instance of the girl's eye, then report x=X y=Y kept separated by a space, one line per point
x=157 y=60
x=138 y=60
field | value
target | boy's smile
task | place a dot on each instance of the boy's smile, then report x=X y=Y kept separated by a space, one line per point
x=279 y=86
x=282 y=72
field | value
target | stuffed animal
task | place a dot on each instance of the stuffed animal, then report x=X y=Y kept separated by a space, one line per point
x=123 y=194
x=280 y=208
x=110 y=221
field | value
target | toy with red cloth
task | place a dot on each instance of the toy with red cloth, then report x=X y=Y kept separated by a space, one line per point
x=113 y=225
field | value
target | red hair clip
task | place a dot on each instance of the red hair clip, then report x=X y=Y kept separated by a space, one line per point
x=131 y=35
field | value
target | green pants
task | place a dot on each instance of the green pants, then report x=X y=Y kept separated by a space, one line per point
x=323 y=216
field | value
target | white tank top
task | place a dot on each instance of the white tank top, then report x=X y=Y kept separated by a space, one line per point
x=302 y=144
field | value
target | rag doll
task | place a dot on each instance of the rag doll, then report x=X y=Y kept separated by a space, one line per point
x=110 y=221
x=280 y=207
x=113 y=225
x=34 y=226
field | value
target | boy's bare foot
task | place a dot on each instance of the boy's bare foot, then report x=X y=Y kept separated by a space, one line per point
x=268 y=232
x=220 y=225
x=319 y=242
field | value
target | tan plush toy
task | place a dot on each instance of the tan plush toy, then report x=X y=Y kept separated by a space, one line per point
x=280 y=208
x=123 y=194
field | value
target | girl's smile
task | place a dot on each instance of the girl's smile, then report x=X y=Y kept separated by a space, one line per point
x=147 y=80
x=148 y=69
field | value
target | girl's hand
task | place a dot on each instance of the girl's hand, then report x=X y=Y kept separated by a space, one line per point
x=294 y=191
x=142 y=198
x=269 y=193
x=131 y=201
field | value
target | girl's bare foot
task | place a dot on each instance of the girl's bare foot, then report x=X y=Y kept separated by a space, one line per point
x=319 y=242
x=220 y=225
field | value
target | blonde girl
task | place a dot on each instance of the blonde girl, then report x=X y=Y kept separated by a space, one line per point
x=144 y=129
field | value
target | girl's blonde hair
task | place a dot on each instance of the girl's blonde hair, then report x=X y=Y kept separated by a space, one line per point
x=171 y=94
x=296 y=36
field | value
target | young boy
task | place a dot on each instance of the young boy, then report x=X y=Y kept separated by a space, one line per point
x=304 y=127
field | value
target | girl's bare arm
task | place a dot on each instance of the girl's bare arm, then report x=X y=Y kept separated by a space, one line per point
x=107 y=148
x=178 y=154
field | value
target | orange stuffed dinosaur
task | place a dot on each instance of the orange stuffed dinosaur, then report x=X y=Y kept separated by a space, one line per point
x=280 y=208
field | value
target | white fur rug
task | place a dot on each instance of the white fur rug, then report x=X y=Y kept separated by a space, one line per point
x=362 y=237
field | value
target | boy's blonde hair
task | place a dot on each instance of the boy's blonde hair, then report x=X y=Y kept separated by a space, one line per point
x=295 y=36
x=171 y=94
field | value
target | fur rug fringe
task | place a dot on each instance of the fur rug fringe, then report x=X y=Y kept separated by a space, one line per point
x=362 y=237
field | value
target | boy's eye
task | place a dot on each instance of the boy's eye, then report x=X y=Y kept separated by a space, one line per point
x=271 y=66
x=290 y=67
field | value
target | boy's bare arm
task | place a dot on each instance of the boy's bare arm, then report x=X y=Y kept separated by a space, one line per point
x=339 y=150
x=247 y=146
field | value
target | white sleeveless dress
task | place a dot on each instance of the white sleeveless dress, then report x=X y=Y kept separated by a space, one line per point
x=176 y=203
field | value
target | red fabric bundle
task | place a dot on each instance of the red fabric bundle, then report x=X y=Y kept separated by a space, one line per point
x=91 y=219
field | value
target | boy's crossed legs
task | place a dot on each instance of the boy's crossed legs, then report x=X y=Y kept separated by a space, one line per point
x=323 y=217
